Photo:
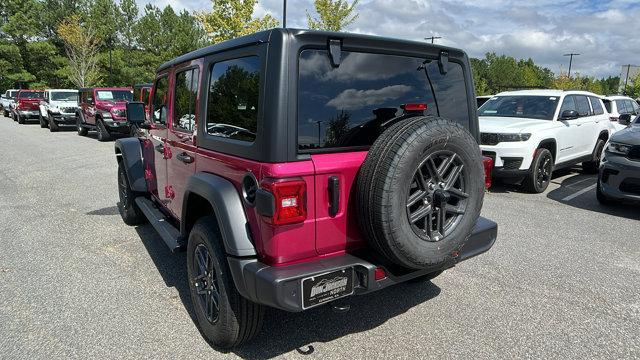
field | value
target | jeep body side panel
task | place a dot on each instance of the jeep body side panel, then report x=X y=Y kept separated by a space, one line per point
x=227 y=205
x=131 y=152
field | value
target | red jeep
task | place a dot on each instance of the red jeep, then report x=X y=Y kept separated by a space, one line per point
x=27 y=105
x=103 y=110
x=299 y=167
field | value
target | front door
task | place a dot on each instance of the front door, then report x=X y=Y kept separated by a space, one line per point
x=180 y=139
x=568 y=136
x=156 y=173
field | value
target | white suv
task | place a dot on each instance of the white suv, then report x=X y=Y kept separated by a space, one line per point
x=530 y=133
x=620 y=105
x=58 y=107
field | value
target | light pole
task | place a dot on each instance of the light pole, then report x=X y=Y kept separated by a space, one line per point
x=570 y=55
x=626 y=79
x=284 y=14
x=432 y=38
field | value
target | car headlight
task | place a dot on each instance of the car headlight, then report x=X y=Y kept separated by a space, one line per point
x=118 y=112
x=618 y=148
x=494 y=139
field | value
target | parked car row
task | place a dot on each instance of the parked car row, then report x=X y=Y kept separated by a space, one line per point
x=91 y=109
x=531 y=133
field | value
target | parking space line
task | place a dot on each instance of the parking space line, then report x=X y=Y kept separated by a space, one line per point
x=578 y=193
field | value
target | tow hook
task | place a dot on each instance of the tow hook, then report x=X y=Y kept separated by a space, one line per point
x=340 y=309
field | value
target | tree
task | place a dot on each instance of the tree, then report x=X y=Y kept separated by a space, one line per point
x=128 y=17
x=335 y=15
x=82 y=46
x=233 y=18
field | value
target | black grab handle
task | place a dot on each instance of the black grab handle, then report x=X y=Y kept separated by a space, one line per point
x=334 y=196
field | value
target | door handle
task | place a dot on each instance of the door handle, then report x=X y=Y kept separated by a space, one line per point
x=185 y=158
x=334 y=196
x=160 y=148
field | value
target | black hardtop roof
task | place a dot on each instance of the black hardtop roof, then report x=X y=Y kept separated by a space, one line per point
x=105 y=88
x=266 y=35
x=139 y=86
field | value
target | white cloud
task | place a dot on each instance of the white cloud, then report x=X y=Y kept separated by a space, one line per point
x=353 y=99
x=603 y=32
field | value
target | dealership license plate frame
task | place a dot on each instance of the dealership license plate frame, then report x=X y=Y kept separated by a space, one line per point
x=306 y=285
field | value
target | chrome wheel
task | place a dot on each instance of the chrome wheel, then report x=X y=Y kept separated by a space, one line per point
x=437 y=197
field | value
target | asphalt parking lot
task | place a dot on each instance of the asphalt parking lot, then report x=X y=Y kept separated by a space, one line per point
x=562 y=281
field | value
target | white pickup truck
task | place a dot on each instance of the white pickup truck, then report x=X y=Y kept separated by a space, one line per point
x=6 y=100
x=531 y=133
x=58 y=108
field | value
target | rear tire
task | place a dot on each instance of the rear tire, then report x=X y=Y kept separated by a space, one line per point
x=592 y=166
x=103 y=133
x=131 y=214
x=53 y=126
x=82 y=131
x=539 y=177
x=237 y=320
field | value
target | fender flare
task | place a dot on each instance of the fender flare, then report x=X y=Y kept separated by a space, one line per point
x=131 y=152
x=227 y=206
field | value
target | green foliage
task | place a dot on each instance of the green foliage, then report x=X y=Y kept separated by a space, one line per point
x=335 y=15
x=229 y=19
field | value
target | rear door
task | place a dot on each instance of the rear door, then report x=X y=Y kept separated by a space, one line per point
x=587 y=125
x=180 y=138
x=156 y=152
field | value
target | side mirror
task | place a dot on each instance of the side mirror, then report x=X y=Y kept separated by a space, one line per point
x=569 y=114
x=624 y=119
x=135 y=112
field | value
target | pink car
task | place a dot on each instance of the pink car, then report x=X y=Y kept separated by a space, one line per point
x=103 y=110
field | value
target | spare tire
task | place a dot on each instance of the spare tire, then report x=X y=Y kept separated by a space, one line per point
x=420 y=190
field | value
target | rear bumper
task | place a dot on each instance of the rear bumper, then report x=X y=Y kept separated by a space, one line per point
x=280 y=287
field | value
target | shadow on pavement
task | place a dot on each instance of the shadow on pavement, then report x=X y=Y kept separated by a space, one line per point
x=111 y=210
x=501 y=186
x=283 y=332
x=571 y=186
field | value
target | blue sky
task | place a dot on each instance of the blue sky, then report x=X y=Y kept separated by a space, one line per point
x=605 y=33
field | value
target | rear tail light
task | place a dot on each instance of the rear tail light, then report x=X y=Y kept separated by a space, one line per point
x=380 y=274
x=289 y=200
x=414 y=107
x=487 y=162
x=613 y=118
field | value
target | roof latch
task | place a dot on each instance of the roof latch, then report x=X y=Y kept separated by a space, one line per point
x=335 y=52
x=443 y=62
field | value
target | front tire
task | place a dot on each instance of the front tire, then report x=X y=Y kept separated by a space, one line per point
x=103 y=133
x=131 y=214
x=53 y=126
x=225 y=317
x=539 y=177
x=43 y=124
x=20 y=119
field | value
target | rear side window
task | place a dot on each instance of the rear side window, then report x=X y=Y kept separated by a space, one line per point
x=597 y=107
x=582 y=105
x=184 y=107
x=160 y=100
x=350 y=106
x=632 y=106
x=232 y=103
x=622 y=109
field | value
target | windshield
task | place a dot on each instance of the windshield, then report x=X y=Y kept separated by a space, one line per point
x=64 y=96
x=522 y=106
x=115 y=95
x=31 y=95
x=12 y=94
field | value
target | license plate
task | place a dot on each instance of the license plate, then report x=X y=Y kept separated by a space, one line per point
x=319 y=289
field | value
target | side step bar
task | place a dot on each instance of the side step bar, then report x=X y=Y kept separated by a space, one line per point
x=167 y=232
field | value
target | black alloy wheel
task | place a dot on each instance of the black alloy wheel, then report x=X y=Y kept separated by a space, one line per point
x=543 y=175
x=206 y=284
x=437 y=198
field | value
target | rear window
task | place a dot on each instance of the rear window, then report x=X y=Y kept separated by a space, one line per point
x=31 y=95
x=350 y=106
